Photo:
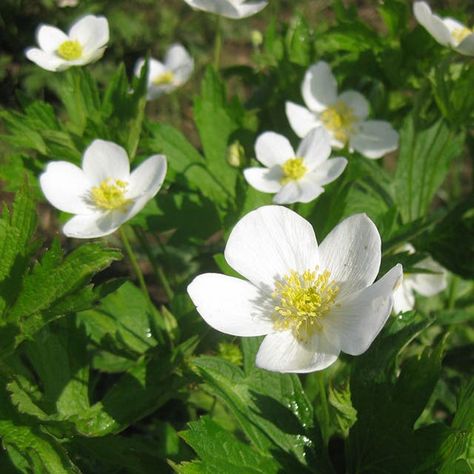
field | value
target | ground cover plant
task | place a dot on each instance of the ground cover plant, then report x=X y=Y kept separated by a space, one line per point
x=236 y=236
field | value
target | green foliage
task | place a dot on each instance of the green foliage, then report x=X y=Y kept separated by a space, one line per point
x=424 y=161
x=97 y=376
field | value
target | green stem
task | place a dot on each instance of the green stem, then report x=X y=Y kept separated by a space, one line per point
x=217 y=43
x=452 y=292
x=157 y=268
x=134 y=262
x=324 y=421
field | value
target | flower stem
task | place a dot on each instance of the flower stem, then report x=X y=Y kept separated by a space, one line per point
x=157 y=268
x=324 y=418
x=217 y=43
x=134 y=262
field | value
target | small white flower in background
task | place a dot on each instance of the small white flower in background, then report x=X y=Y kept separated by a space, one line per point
x=67 y=3
x=84 y=44
x=446 y=31
x=310 y=302
x=234 y=9
x=425 y=284
x=103 y=194
x=165 y=77
x=344 y=116
x=294 y=177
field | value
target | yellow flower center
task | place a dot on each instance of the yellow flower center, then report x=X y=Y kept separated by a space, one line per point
x=70 y=50
x=340 y=120
x=293 y=169
x=110 y=195
x=461 y=33
x=164 y=79
x=302 y=300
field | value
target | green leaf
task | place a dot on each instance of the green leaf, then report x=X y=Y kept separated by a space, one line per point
x=216 y=121
x=54 y=278
x=221 y=451
x=30 y=448
x=424 y=160
x=388 y=406
x=131 y=328
x=271 y=408
x=186 y=162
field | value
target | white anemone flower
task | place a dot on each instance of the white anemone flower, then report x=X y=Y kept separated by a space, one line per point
x=234 y=9
x=104 y=193
x=446 y=31
x=165 y=77
x=311 y=302
x=294 y=177
x=426 y=284
x=84 y=44
x=344 y=115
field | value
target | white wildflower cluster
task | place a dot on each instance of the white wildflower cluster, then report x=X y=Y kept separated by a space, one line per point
x=310 y=301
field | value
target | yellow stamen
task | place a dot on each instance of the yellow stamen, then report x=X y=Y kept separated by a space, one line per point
x=340 y=120
x=70 y=50
x=164 y=79
x=461 y=33
x=110 y=195
x=293 y=169
x=302 y=301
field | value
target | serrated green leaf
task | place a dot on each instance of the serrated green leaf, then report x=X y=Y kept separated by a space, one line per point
x=220 y=451
x=424 y=160
x=271 y=408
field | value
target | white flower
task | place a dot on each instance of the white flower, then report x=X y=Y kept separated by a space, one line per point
x=424 y=283
x=234 y=9
x=294 y=177
x=165 y=77
x=67 y=3
x=344 y=115
x=311 y=302
x=446 y=31
x=84 y=44
x=103 y=194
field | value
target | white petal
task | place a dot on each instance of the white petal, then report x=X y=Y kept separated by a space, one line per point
x=180 y=62
x=374 y=139
x=429 y=284
x=231 y=305
x=94 y=225
x=432 y=23
x=355 y=322
x=229 y=9
x=92 y=32
x=328 y=171
x=288 y=194
x=319 y=88
x=148 y=177
x=264 y=179
x=66 y=186
x=48 y=61
x=273 y=149
x=270 y=242
x=466 y=46
x=282 y=352
x=403 y=297
x=303 y=190
x=315 y=148
x=352 y=253
x=49 y=38
x=105 y=160
x=357 y=102
x=222 y=7
x=301 y=119
x=251 y=8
